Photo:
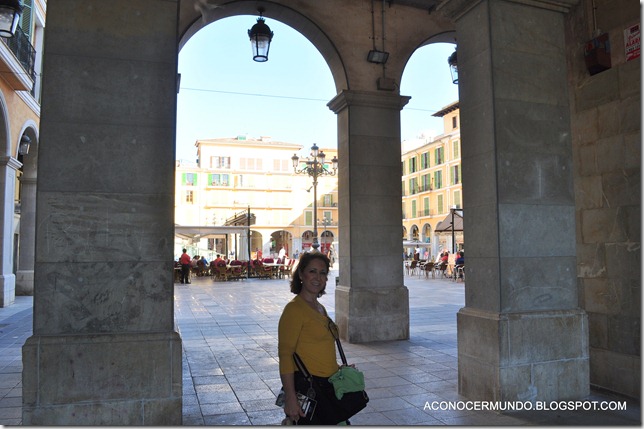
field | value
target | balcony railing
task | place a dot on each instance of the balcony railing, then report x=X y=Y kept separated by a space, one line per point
x=25 y=53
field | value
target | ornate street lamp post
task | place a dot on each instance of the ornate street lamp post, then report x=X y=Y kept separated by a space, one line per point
x=315 y=166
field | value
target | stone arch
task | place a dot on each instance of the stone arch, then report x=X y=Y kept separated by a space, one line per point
x=281 y=238
x=5 y=132
x=414 y=232
x=326 y=239
x=25 y=228
x=282 y=13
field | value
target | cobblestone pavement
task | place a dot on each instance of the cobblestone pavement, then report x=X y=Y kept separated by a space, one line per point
x=230 y=368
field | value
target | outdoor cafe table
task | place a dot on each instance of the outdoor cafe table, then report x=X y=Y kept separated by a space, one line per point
x=275 y=268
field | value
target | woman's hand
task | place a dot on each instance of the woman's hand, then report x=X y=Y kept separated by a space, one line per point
x=291 y=405
x=292 y=408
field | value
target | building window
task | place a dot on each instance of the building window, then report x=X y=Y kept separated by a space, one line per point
x=327 y=200
x=439 y=205
x=218 y=180
x=438 y=179
x=189 y=179
x=412 y=165
x=189 y=197
x=439 y=155
x=413 y=209
x=219 y=162
x=282 y=165
x=457 y=199
x=454 y=122
x=424 y=160
x=425 y=206
x=455 y=174
x=254 y=164
x=413 y=186
x=308 y=218
x=456 y=148
x=426 y=182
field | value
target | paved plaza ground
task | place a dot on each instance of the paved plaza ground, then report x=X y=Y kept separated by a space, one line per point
x=230 y=368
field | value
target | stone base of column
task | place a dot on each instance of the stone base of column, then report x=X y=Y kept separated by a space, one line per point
x=532 y=356
x=365 y=315
x=114 y=380
x=7 y=290
x=25 y=283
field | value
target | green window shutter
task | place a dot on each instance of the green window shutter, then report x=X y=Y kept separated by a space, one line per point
x=440 y=204
x=413 y=209
x=26 y=18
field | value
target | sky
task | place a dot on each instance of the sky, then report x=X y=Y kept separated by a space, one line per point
x=224 y=93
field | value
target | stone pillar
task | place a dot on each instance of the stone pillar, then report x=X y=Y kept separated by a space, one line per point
x=371 y=301
x=8 y=168
x=104 y=350
x=521 y=335
x=25 y=273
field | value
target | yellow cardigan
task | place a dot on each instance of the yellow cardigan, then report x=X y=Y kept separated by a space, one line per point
x=305 y=331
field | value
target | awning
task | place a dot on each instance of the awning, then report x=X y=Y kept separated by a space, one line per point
x=446 y=224
x=415 y=243
x=197 y=232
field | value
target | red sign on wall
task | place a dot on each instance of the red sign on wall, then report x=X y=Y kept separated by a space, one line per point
x=632 y=42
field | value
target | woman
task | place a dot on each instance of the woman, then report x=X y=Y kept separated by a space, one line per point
x=304 y=329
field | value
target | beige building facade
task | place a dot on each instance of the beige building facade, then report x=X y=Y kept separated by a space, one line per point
x=20 y=96
x=235 y=175
x=432 y=187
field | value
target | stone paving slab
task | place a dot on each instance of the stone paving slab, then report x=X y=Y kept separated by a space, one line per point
x=230 y=367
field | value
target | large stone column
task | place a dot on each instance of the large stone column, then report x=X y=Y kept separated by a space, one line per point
x=104 y=350
x=521 y=335
x=8 y=168
x=371 y=301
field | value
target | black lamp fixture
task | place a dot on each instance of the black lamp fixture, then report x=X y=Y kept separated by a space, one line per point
x=23 y=148
x=377 y=57
x=453 y=67
x=10 y=11
x=260 y=38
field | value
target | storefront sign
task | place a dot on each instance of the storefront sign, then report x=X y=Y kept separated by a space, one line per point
x=632 y=42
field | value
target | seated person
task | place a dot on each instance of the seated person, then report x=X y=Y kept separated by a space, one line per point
x=459 y=263
x=218 y=259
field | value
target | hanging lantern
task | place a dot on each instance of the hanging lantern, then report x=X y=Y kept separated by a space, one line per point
x=23 y=148
x=453 y=67
x=260 y=38
x=10 y=11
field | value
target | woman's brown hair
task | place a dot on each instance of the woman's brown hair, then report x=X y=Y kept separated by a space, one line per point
x=305 y=260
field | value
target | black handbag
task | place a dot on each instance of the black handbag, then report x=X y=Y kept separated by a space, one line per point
x=329 y=409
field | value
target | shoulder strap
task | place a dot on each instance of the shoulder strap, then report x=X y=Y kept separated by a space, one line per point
x=301 y=366
x=336 y=335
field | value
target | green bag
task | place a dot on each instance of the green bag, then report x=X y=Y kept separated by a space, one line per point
x=346 y=380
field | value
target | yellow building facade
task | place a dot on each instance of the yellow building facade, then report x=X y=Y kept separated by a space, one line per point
x=432 y=188
x=236 y=176
x=20 y=93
